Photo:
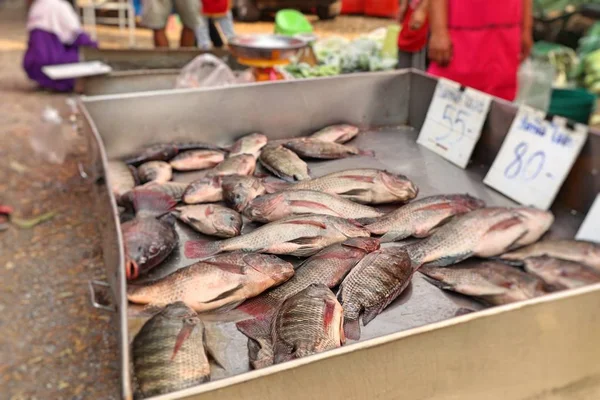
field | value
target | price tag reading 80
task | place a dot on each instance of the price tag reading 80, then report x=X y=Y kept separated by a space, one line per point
x=536 y=157
x=454 y=121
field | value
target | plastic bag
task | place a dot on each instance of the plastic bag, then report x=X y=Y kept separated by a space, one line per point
x=535 y=84
x=206 y=70
x=50 y=139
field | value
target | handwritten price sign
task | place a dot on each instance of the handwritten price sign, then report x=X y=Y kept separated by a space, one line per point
x=590 y=230
x=454 y=121
x=535 y=158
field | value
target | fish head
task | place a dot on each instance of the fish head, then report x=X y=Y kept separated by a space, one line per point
x=348 y=227
x=225 y=220
x=245 y=164
x=203 y=190
x=398 y=185
x=178 y=311
x=147 y=242
x=239 y=191
x=256 y=140
x=270 y=265
x=537 y=222
x=471 y=203
x=366 y=244
x=267 y=208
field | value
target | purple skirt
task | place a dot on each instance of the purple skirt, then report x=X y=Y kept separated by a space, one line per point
x=44 y=48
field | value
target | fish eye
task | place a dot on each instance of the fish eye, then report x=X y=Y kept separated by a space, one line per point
x=153 y=249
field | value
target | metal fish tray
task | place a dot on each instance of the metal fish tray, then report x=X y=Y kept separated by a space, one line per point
x=416 y=349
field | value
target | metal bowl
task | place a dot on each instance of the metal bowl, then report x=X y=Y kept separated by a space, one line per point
x=265 y=47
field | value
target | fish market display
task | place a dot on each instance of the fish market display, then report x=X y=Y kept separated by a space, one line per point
x=336 y=133
x=169 y=352
x=490 y=281
x=586 y=253
x=372 y=285
x=249 y=144
x=273 y=207
x=284 y=163
x=300 y=236
x=197 y=159
x=120 y=178
x=155 y=171
x=420 y=217
x=240 y=190
x=561 y=274
x=220 y=283
x=486 y=232
x=366 y=186
x=148 y=238
x=307 y=323
x=204 y=190
x=313 y=148
x=211 y=219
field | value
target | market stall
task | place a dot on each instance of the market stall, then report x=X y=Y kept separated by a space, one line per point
x=535 y=346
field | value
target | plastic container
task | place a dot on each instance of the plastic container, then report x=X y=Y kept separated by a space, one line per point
x=575 y=104
x=381 y=8
x=291 y=22
x=535 y=84
x=390 y=43
x=353 y=6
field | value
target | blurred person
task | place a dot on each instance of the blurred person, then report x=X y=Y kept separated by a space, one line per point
x=412 y=40
x=220 y=13
x=480 y=43
x=55 y=36
x=155 y=14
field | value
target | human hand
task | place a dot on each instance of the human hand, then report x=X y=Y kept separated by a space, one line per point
x=417 y=19
x=526 y=44
x=440 y=48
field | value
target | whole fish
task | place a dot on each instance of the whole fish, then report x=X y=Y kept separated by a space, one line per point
x=155 y=171
x=192 y=160
x=491 y=281
x=372 y=285
x=169 y=352
x=249 y=144
x=239 y=190
x=172 y=189
x=273 y=207
x=366 y=186
x=211 y=219
x=313 y=148
x=244 y=164
x=586 y=253
x=284 y=163
x=220 y=283
x=204 y=190
x=486 y=232
x=164 y=151
x=336 y=133
x=300 y=236
x=148 y=240
x=307 y=323
x=421 y=217
x=561 y=274
x=327 y=267
x=120 y=178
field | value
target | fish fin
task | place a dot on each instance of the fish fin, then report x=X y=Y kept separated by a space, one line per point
x=273 y=185
x=436 y=283
x=506 y=224
x=306 y=241
x=210 y=348
x=366 y=153
x=328 y=314
x=260 y=348
x=436 y=207
x=310 y=204
x=449 y=260
x=152 y=203
x=366 y=220
x=364 y=244
x=182 y=336
x=354 y=194
x=306 y=222
x=352 y=328
x=512 y=263
x=152 y=309
x=370 y=314
x=201 y=248
x=225 y=294
x=359 y=178
x=258 y=307
x=393 y=236
x=514 y=244
x=463 y=311
x=232 y=268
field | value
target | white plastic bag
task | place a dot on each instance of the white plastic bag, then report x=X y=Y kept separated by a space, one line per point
x=50 y=138
x=206 y=70
x=535 y=84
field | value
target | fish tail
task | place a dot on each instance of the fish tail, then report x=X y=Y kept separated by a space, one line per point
x=201 y=248
x=258 y=307
x=152 y=203
x=352 y=328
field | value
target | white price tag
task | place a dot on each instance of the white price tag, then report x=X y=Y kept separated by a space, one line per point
x=590 y=229
x=454 y=121
x=535 y=158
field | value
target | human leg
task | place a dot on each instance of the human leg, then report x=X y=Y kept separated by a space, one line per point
x=154 y=16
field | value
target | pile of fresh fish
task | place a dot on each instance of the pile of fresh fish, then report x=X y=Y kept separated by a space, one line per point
x=335 y=221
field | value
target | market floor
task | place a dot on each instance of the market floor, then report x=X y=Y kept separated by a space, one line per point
x=54 y=344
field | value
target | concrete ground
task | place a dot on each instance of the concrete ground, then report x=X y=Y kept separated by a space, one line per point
x=54 y=344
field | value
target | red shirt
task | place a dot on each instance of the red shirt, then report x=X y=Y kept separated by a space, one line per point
x=215 y=8
x=412 y=40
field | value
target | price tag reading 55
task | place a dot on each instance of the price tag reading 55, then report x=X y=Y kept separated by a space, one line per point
x=535 y=158
x=454 y=121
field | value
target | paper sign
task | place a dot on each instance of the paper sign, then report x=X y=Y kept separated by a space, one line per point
x=454 y=121
x=76 y=70
x=590 y=229
x=536 y=157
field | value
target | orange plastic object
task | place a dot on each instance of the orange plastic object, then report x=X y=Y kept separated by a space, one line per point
x=381 y=8
x=353 y=6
